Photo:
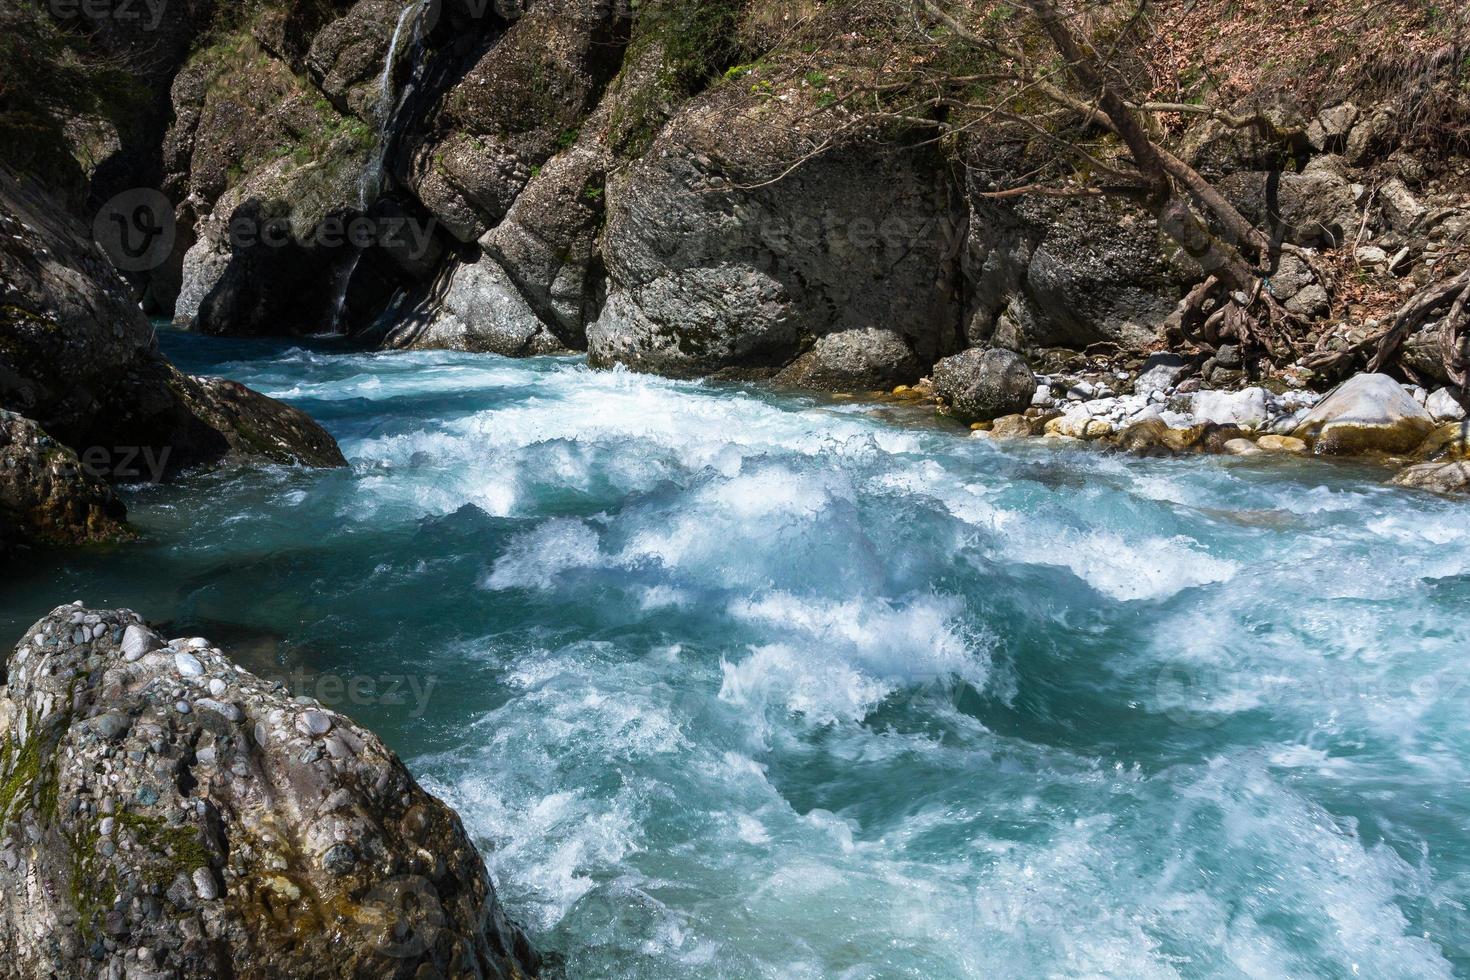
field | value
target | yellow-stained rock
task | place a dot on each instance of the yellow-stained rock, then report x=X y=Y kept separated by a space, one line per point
x=1241 y=447
x=1015 y=427
x=1451 y=441
x=1368 y=413
x=1281 y=444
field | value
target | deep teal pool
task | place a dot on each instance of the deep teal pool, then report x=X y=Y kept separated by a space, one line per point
x=731 y=684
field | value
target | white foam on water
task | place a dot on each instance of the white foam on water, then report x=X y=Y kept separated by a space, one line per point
x=794 y=787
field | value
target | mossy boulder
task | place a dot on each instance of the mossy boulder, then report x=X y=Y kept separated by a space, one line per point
x=165 y=813
x=47 y=496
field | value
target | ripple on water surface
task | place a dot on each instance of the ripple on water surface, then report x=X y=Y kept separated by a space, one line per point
x=734 y=684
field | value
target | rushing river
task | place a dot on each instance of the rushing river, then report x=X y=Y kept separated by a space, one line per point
x=734 y=684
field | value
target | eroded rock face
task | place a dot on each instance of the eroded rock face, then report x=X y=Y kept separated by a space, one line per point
x=709 y=272
x=521 y=102
x=164 y=813
x=47 y=496
x=980 y=385
x=476 y=309
x=1045 y=273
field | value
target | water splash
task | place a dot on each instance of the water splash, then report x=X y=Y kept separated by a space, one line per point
x=747 y=685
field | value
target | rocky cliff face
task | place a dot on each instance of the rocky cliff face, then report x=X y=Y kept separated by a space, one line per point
x=78 y=357
x=164 y=813
x=679 y=188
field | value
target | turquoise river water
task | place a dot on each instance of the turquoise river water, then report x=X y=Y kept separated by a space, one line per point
x=727 y=683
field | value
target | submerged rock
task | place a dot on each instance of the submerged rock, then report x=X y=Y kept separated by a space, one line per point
x=1367 y=413
x=980 y=385
x=150 y=827
x=1450 y=477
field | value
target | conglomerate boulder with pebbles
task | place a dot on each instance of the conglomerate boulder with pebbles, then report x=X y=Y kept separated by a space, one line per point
x=165 y=813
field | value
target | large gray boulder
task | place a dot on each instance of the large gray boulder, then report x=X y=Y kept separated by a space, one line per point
x=854 y=359
x=1452 y=477
x=1368 y=413
x=164 y=813
x=476 y=309
x=715 y=266
x=980 y=385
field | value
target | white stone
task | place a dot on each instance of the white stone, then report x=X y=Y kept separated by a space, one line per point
x=1443 y=406
x=1245 y=408
x=137 y=642
x=188 y=665
x=314 y=722
x=204 y=885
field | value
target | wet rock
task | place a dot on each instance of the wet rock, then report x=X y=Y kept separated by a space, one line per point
x=1367 y=413
x=854 y=359
x=980 y=385
x=1281 y=444
x=1451 y=477
x=1241 y=447
x=218 y=856
x=47 y=496
x=80 y=358
x=1016 y=427
x=1450 y=440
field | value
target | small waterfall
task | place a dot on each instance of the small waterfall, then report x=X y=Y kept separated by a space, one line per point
x=389 y=102
x=339 y=299
x=385 y=115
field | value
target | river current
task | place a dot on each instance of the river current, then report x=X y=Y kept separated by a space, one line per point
x=729 y=683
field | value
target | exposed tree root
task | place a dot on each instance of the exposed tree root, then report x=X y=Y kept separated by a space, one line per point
x=1411 y=316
